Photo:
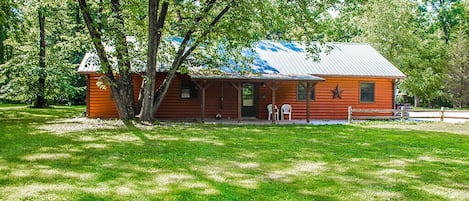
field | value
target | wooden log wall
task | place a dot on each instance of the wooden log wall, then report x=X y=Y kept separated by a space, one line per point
x=100 y=104
x=324 y=106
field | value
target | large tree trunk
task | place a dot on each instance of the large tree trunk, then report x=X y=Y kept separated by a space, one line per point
x=123 y=91
x=154 y=37
x=150 y=76
x=123 y=96
x=40 y=98
x=122 y=87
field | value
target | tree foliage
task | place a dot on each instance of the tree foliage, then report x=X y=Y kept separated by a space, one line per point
x=458 y=69
x=426 y=39
x=9 y=18
x=183 y=32
x=413 y=35
x=64 y=46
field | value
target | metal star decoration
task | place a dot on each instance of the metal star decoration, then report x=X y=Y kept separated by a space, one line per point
x=337 y=93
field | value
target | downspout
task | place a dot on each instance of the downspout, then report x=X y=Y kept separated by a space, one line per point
x=88 y=88
x=394 y=94
x=221 y=97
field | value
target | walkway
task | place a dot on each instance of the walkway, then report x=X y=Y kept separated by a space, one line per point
x=268 y=122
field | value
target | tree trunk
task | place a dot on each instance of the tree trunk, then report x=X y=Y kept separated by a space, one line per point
x=154 y=37
x=124 y=93
x=2 y=47
x=163 y=89
x=416 y=101
x=121 y=88
x=460 y=98
x=123 y=96
x=40 y=98
x=140 y=97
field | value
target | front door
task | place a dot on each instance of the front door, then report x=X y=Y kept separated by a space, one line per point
x=249 y=103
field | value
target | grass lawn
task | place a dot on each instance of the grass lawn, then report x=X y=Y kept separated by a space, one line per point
x=45 y=157
x=6 y=106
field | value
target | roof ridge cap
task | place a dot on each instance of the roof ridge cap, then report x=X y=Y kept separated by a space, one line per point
x=302 y=42
x=348 y=43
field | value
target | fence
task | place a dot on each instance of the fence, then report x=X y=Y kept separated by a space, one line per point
x=403 y=113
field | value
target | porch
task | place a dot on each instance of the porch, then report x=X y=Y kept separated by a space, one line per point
x=253 y=93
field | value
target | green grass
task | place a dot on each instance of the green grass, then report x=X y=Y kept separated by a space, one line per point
x=224 y=162
x=4 y=105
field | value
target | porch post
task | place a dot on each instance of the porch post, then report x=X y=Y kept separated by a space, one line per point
x=203 y=104
x=274 y=86
x=308 y=98
x=203 y=86
x=238 y=86
x=308 y=86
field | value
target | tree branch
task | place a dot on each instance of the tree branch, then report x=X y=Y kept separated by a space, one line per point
x=182 y=53
x=212 y=24
x=209 y=7
x=97 y=40
x=154 y=38
x=161 y=20
x=122 y=49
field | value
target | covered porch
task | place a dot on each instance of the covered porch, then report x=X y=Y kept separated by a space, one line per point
x=253 y=92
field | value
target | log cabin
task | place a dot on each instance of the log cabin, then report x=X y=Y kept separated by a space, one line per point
x=282 y=73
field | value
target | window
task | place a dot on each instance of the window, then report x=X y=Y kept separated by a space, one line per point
x=248 y=94
x=301 y=93
x=367 y=92
x=188 y=90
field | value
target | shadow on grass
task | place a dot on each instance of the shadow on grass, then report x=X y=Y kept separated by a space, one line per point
x=136 y=131
x=200 y=162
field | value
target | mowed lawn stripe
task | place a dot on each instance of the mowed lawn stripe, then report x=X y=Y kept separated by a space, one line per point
x=54 y=154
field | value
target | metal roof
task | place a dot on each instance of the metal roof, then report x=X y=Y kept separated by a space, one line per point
x=290 y=59
x=91 y=63
x=345 y=59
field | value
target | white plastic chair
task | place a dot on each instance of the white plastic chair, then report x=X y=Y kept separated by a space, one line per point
x=269 y=112
x=286 y=109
